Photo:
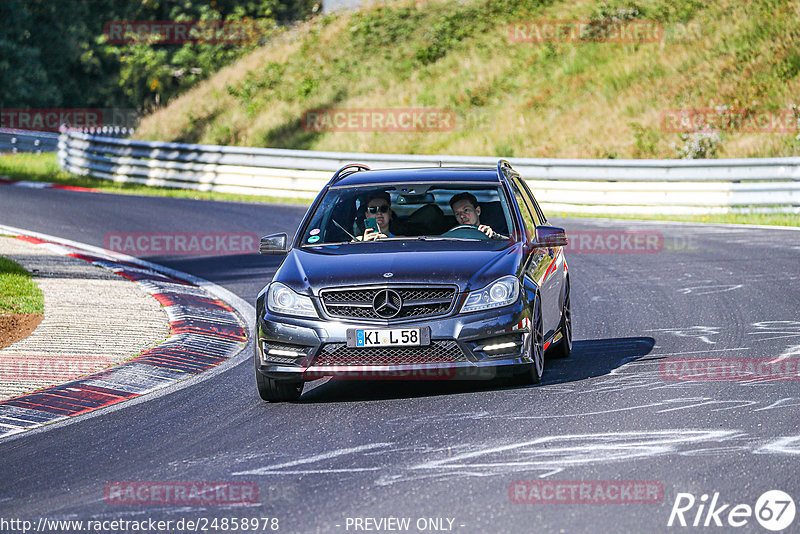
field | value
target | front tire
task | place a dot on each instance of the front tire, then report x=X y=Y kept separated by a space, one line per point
x=273 y=390
x=564 y=347
x=533 y=374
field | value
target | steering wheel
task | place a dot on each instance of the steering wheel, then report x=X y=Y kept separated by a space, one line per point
x=466 y=231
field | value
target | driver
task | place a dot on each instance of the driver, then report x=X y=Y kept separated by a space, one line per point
x=379 y=207
x=465 y=208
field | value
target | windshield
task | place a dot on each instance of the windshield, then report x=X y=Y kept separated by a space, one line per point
x=410 y=211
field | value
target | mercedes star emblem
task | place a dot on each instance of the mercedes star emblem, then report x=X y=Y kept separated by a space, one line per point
x=387 y=303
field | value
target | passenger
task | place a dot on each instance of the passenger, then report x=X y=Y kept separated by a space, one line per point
x=467 y=211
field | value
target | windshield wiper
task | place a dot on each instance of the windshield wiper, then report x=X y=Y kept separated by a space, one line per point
x=440 y=238
x=321 y=244
x=343 y=229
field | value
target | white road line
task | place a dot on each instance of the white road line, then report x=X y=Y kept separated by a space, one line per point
x=784 y=445
x=271 y=469
x=708 y=403
x=316 y=471
x=780 y=403
x=647 y=443
x=695 y=351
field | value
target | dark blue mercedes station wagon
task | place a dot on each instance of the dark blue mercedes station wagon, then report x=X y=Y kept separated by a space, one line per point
x=414 y=273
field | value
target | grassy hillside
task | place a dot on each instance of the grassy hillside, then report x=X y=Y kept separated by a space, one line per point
x=563 y=99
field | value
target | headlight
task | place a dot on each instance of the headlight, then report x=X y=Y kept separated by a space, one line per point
x=501 y=292
x=281 y=299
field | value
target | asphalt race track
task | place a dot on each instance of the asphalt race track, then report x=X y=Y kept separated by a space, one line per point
x=614 y=411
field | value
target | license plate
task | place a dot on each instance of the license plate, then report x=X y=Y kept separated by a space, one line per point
x=388 y=337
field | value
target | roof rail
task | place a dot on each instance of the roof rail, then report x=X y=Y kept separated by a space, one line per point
x=348 y=169
x=501 y=165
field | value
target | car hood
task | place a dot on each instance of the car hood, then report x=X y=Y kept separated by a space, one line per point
x=469 y=266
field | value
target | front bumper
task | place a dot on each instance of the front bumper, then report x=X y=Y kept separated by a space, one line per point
x=462 y=346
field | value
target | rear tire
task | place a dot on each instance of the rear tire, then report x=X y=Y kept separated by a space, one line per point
x=533 y=374
x=273 y=390
x=564 y=347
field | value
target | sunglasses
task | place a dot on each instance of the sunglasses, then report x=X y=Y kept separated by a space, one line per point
x=375 y=209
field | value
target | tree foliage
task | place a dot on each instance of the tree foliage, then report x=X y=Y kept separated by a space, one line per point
x=55 y=54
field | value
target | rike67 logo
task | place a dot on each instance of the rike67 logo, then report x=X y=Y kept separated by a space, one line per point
x=774 y=510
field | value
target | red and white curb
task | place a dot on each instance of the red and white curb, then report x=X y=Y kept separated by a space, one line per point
x=207 y=330
x=45 y=185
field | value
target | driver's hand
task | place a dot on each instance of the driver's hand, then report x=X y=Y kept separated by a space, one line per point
x=371 y=235
x=486 y=229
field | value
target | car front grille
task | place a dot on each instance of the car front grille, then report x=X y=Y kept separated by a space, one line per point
x=446 y=351
x=418 y=302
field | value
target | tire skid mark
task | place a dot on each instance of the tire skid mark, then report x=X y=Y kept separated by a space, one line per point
x=204 y=332
x=783 y=445
x=541 y=457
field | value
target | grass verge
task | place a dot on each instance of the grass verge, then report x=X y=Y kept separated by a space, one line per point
x=508 y=92
x=767 y=219
x=18 y=292
x=44 y=168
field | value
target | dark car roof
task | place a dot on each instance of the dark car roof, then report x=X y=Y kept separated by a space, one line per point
x=423 y=174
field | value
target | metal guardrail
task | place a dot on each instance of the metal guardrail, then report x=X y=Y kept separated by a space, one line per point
x=576 y=185
x=14 y=141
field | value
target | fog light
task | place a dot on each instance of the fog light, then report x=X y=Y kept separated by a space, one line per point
x=499 y=346
x=281 y=352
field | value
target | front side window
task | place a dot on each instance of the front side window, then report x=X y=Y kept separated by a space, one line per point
x=533 y=204
x=527 y=217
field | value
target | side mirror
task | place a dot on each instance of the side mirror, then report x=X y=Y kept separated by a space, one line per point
x=550 y=236
x=273 y=244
